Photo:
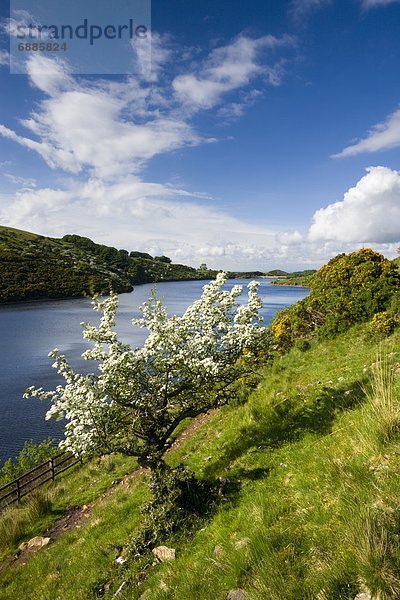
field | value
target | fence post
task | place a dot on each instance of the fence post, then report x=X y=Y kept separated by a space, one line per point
x=18 y=490
x=53 y=474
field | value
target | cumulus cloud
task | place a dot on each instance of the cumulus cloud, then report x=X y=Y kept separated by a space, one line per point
x=369 y=212
x=383 y=136
x=103 y=133
x=138 y=215
x=162 y=219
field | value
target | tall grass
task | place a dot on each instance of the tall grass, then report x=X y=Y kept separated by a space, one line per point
x=385 y=407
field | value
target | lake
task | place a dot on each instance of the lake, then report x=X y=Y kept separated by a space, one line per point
x=30 y=330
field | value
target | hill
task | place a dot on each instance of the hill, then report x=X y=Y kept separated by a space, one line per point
x=35 y=267
x=277 y=273
x=306 y=459
x=311 y=508
x=308 y=468
x=297 y=278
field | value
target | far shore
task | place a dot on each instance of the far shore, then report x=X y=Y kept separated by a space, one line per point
x=284 y=283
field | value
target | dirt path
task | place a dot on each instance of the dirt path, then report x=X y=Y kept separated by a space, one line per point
x=189 y=431
x=77 y=515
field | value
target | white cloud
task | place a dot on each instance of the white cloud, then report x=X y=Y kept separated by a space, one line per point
x=105 y=132
x=108 y=129
x=20 y=181
x=153 y=55
x=229 y=68
x=383 y=136
x=301 y=9
x=85 y=126
x=137 y=215
x=235 y=110
x=369 y=212
x=4 y=57
x=367 y=4
x=166 y=220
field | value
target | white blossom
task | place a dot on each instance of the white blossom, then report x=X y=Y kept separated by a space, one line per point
x=139 y=395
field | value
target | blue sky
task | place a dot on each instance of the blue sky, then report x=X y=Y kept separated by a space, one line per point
x=266 y=134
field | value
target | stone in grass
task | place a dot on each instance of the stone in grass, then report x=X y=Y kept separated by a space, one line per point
x=363 y=596
x=35 y=544
x=163 y=553
x=238 y=594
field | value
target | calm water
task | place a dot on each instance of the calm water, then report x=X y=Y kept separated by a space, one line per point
x=30 y=330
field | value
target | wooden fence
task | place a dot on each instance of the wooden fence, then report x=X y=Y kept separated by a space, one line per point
x=47 y=471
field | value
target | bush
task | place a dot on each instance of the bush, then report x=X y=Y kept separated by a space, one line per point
x=302 y=345
x=349 y=289
x=30 y=456
x=179 y=499
x=382 y=324
x=395 y=305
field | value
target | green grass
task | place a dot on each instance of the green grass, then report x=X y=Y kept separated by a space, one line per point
x=313 y=462
x=311 y=509
x=81 y=485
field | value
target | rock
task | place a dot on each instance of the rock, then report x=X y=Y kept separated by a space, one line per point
x=363 y=596
x=242 y=543
x=120 y=560
x=124 y=585
x=238 y=594
x=35 y=543
x=163 y=553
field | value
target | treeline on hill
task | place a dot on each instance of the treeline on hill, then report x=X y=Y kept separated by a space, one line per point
x=350 y=289
x=34 y=267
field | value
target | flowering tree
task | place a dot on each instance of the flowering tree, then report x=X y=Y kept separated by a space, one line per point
x=186 y=366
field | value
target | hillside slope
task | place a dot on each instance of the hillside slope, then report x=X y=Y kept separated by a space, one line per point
x=35 y=267
x=311 y=508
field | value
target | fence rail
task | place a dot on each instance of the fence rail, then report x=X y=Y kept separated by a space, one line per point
x=35 y=478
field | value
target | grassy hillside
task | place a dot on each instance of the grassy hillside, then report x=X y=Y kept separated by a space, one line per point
x=307 y=466
x=311 y=508
x=34 y=267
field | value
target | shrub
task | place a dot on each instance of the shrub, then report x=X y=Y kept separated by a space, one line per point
x=179 y=499
x=302 y=345
x=349 y=289
x=30 y=456
x=382 y=323
x=282 y=329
